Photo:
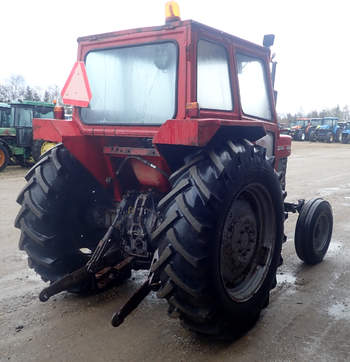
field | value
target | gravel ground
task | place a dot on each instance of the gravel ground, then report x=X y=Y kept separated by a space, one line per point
x=308 y=318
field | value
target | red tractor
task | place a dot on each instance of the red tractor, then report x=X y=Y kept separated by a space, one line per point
x=173 y=163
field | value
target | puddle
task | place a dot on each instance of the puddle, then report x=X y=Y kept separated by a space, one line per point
x=340 y=311
x=286 y=278
x=334 y=247
x=328 y=191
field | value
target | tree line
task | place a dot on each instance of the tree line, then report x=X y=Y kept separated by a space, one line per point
x=15 y=88
x=342 y=113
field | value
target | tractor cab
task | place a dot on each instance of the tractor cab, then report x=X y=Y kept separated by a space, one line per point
x=6 y=120
x=329 y=123
x=23 y=114
x=16 y=131
x=174 y=87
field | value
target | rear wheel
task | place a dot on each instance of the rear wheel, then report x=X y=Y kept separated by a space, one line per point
x=223 y=226
x=56 y=231
x=4 y=157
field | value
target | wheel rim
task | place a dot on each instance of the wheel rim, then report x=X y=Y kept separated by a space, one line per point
x=247 y=242
x=2 y=158
x=321 y=232
x=46 y=146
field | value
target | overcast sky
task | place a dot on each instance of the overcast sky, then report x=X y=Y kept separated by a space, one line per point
x=312 y=46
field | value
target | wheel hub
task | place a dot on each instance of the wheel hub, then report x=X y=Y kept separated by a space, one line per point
x=239 y=240
x=247 y=243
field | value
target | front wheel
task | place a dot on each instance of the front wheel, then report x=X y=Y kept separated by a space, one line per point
x=313 y=231
x=223 y=226
x=39 y=147
x=330 y=138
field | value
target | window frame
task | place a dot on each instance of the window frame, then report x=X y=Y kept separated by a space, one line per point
x=228 y=57
x=238 y=50
x=173 y=41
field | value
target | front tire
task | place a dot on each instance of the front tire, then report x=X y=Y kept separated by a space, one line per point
x=330 y=138
x=223 y=226
x=313 y=231
x=39 y=147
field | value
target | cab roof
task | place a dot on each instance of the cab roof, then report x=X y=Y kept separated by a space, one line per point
x=4 y=105
x=32 y=103
x=171 y=26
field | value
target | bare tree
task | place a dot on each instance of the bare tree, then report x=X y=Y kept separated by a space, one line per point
x=16 y=87
x=4 y=93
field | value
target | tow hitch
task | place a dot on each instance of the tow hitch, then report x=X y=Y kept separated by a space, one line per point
x=99 y=265
x=140 y=294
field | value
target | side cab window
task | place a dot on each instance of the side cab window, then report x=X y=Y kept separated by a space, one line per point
x=213 y=77
x=255 y=100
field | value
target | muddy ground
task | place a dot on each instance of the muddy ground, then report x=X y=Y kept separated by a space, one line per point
x=308 y=318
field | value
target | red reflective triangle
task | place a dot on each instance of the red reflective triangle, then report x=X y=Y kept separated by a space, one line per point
x=76 y=91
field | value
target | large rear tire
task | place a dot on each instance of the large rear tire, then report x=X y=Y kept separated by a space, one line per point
x=221 y=233
x=56 y=230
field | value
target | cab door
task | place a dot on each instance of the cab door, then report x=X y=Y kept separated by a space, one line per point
x=23 y=125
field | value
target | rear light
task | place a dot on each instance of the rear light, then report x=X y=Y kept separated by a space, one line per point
x=192 y=109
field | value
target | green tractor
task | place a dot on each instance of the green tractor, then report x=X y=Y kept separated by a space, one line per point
x=17 y=146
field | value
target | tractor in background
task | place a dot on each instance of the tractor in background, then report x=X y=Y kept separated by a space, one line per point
x=302 y=129
x=173 y=163
x=329 y=131
x=17 y=146
x=345 y=135
x=6 y=132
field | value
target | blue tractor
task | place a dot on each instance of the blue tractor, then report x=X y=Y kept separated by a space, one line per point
x=345 y=136
x=329 y=131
